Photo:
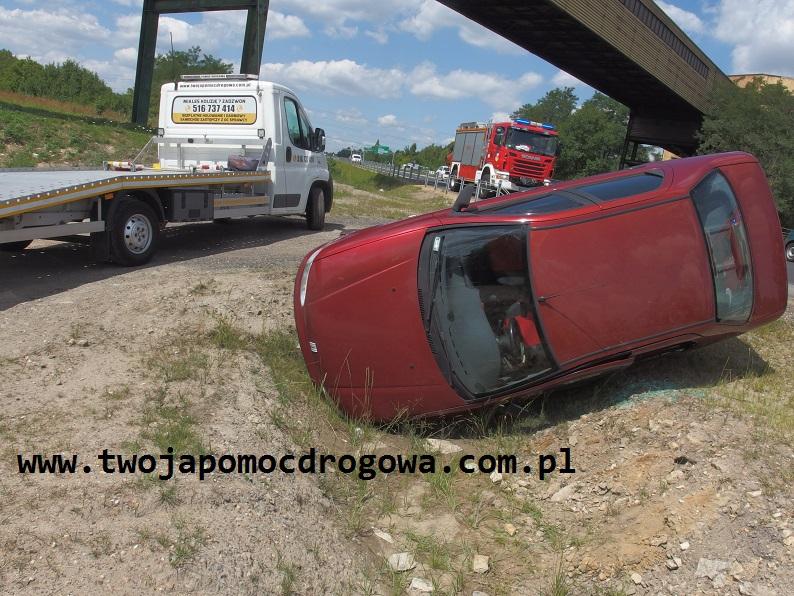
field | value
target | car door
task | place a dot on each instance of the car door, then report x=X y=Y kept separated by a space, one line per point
x=622 y=280
x=297 y=156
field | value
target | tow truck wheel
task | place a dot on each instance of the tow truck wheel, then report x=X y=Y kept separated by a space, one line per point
x=15 y=246
x=315 y=209
x=134 y=233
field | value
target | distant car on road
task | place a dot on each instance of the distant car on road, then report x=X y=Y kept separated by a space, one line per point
x=355 y=158
x=442 y=172
x=790 y=246
x=520 y=294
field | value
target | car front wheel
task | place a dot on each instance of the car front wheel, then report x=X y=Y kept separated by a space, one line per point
x=790 y=252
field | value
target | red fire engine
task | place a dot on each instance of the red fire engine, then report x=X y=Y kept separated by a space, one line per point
x=503 y=156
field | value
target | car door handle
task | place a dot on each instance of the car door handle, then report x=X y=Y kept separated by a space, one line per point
x=289 y=154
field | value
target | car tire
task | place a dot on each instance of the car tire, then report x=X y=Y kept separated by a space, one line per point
x=134 y=232
x=315 y=209
x=790 y=252
x=15 y=246
x=454 y=183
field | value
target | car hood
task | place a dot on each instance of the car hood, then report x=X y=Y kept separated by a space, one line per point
x=362 y=312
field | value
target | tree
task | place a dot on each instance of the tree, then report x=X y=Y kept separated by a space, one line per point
x=592 y=138
x=555 y=107
x=758 y=119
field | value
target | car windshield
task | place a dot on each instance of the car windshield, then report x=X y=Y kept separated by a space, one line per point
x=533 y=142
x=478 y=310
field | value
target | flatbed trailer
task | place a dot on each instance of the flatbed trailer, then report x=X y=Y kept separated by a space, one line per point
x=37 y=204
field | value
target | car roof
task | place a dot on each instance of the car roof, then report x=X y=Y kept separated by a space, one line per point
x=677 y=178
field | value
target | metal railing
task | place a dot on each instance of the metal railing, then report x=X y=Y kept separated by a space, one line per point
x=418 y=175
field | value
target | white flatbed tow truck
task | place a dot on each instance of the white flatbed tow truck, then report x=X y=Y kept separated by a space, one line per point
x=229 y=146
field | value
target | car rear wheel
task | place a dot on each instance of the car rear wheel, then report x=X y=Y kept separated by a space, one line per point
x=315 y=209
x=790 y=251
x=15 y=246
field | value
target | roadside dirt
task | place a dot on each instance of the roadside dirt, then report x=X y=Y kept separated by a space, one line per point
x=672 y=492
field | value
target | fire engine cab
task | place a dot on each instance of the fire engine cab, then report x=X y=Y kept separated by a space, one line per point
x=503 y=157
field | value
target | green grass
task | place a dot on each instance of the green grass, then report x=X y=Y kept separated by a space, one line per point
x=226 y=336
x=387 y=197
x=167 y=422
x=764 y=392
x=362 y=179
x=32 y=135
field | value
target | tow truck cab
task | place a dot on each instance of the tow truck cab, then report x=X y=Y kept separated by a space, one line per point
x=207 y=118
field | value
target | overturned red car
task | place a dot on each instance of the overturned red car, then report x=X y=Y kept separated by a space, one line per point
x=519 y=294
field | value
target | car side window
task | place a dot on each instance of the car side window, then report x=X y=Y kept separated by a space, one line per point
x=620 y=188
x=551 y=203
x=293 y=122
x=729 y=250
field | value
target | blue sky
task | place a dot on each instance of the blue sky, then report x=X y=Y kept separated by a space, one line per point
x=401 y=71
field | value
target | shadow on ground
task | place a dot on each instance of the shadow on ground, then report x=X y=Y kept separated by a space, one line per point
x=672 y=376
x=60 y=266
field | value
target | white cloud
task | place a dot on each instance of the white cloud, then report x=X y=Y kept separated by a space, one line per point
x=563 y=79
x=343 y=77
x=350 y=116
x=67 y=32
x=379 y=35
x=281 y=26
x=688 y=21
x=388 y=120
x=432 y=16
x=126 y=55
x=762 y=33
x=337 y=15
x=498 y=92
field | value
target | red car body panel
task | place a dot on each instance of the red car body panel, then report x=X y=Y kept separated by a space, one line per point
x=611 y=281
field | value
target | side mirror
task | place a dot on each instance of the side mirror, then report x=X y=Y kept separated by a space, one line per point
x=319 y=139
x=559 y=149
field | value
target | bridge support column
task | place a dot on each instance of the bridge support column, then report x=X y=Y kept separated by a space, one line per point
x=253 y=41
x=676 y=135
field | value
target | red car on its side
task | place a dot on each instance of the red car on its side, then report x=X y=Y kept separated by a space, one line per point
x=520 y=294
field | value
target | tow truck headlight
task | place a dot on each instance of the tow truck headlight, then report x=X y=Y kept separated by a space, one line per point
x=305 y=277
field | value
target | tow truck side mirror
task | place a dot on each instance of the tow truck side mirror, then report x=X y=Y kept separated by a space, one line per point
x=319 y=139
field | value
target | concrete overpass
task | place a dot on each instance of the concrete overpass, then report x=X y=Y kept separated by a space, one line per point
x=628 y=49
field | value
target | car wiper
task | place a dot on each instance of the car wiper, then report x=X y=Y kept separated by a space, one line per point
x=436 y=268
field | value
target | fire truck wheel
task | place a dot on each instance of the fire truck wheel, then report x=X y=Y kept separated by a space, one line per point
x=134 y=232
x=315 y=209
x=454 y=182
x=15 y=246
x=485 y=185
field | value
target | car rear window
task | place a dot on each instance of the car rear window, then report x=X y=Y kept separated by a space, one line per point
x=550 y=203
x=728 y=247
x=620 y=188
